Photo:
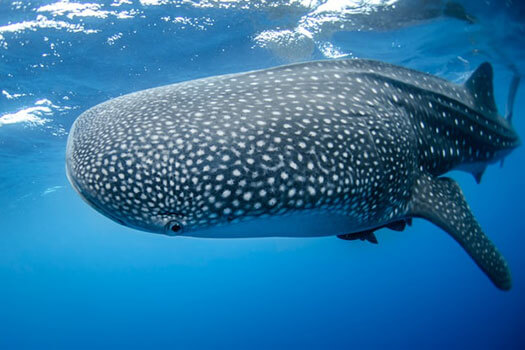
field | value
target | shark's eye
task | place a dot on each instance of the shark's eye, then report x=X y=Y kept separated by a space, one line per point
x=176 y=227
x=173 y=228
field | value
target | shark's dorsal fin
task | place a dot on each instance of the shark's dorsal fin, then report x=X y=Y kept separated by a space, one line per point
x=441 y=201
x=480 y=87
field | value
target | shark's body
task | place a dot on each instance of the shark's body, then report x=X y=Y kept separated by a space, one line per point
x=349 y=145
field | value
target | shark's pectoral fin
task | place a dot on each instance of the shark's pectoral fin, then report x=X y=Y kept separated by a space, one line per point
x=441 y=201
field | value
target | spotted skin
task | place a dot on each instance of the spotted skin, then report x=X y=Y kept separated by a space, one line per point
x=343 y=141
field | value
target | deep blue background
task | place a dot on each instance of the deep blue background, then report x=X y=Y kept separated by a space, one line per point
x=71 y=278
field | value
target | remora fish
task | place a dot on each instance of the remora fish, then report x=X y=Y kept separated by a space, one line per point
x=349 y=145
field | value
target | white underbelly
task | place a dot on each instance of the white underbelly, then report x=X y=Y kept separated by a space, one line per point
x=300 y=224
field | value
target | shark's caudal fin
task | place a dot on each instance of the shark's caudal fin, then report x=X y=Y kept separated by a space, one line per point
x=441 y=201
x=480 y=87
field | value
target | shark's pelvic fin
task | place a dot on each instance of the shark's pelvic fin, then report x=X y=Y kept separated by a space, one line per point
x=397 y=225
x=368 y=235
x=441 y=201
x=480 y=87
x=371 y=237
x=364 y=236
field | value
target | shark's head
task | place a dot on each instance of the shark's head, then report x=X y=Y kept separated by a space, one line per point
x=127 y=171
x=149 y=168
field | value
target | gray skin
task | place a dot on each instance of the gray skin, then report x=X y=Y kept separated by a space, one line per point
x=349 y=145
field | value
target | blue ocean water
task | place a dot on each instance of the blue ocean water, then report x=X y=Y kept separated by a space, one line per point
x=73 y=279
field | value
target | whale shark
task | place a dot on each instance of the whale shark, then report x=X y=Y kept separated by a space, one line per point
x=323 y=148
